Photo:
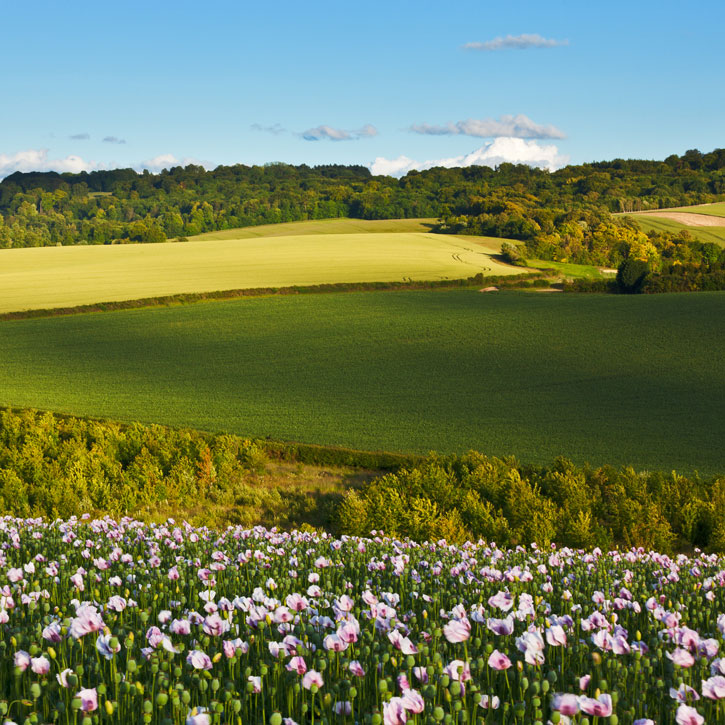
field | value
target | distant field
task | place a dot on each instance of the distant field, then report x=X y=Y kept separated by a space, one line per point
x=716 y=209
x=716 y=235
x=66 y=276
x=601 y=378
x=587 y=271
x=322 y=226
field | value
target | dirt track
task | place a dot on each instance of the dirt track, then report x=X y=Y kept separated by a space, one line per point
x=691 y=220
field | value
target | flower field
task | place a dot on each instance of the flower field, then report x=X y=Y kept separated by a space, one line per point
x=106 y=621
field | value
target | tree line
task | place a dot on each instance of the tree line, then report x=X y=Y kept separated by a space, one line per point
x=60 y=466
x=564 y=215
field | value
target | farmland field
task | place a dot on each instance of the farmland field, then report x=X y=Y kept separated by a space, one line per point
x=321 y=226
x=39 y=278
x=716 y=209
x=716 y=235
x=605 y=379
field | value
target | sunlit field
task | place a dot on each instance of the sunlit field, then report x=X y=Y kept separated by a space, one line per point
x=77 y=275
x=608 y=379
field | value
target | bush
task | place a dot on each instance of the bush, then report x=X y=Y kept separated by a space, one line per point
x=631 y=275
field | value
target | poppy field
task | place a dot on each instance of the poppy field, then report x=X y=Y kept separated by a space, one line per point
x=120 y=621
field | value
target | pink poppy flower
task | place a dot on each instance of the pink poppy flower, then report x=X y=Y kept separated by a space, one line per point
x=683 y=693
x=62 y=677
x=566 y=704
x=349 y=632
x=15 y=575
x=584 y=682
x=298 y=665
x=356 y=669
x=499 y=661
x=681 y=657
x=214 y=625
x=256 y=683
x=556 y=636
x=40 y=665
x=103 y=645
x=22 y=660
x=296 y=602
x=394 y=712
x=334 y=643
x=312 y=677
x=421 y=674
x=180 y=626
x=457 y=630
x=714 y=688
x=197 y=717
x=501 y=626
x=413 y=701
x=343 y=707
x=687 y=715
x=489 y=703
x=199 y=660
x=600 y=707
x=87 y=620
x=502 y=600
x=89 y=699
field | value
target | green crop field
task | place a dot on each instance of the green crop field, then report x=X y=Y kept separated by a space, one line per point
x=716 y=209
x=601 y=378
x=716 y=235
x=47 y=277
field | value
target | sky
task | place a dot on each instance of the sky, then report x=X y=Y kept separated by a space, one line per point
x=392 y=85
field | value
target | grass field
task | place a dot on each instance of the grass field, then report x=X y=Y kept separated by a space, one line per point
x=567 y=269
x=716 y=235
x=67 y=276
x=716 y=209
x=607 y=379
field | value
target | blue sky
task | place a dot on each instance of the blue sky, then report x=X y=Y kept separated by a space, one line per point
x=99 y=85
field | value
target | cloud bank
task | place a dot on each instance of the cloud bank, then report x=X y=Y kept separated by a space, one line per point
x=499 y=151
x=516 y=42
x=38 y=160
x=519 y=126
x=328 y=133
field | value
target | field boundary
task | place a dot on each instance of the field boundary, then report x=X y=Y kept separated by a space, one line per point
x=219 y=295
x=312 y=454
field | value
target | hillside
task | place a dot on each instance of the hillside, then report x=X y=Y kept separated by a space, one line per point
x=300 y=253
x=601 y=378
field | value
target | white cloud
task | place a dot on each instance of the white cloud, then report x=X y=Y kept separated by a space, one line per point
x=499 y=151
x=37 y=160
x=519 y=126
x=168 y=161
x=113 y=139
x=516 y=42
x=329 y=133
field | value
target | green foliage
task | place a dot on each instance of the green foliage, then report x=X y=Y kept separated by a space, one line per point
x=61 y=466
x=631 y=275
x=473 y=496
